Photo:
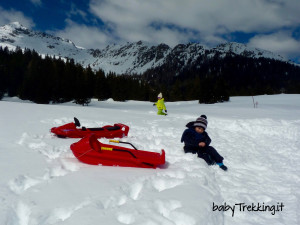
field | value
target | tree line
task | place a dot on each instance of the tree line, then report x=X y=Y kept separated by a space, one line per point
x=214 y=79
x=53 y=80
x=24 y=73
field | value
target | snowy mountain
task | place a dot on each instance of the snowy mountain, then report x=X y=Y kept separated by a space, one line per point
x=126 y=58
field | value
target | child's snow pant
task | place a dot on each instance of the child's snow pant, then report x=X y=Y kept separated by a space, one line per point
x=160 y=112
x=210 y=155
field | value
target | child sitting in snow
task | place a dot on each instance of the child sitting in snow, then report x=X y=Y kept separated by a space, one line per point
x=196 y=140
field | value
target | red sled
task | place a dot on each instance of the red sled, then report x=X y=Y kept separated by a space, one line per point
x=70 y=130
x=89 y=150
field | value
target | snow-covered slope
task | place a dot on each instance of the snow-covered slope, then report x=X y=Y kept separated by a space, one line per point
x=244 y=50
x=15 y=34
x=130 y=58
x=127 y=58
x=42 y=183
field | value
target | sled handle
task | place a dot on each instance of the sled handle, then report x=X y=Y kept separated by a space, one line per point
x=118 y=150
x=121 y=150
x=106 y=148
x=123 y=142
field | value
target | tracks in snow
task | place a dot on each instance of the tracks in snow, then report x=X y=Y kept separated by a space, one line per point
x=256 y=152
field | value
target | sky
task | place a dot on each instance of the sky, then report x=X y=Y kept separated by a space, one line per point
x=272 y=25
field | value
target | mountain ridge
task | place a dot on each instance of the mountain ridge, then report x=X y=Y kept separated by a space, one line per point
x=129 y=58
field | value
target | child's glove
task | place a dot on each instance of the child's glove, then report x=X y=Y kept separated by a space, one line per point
x=153 y=104
x=166 y=110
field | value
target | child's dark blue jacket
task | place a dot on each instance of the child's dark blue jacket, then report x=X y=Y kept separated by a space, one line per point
x=192 y=139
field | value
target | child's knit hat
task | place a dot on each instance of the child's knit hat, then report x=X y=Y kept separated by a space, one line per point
x=201 y=122
x=159 y=95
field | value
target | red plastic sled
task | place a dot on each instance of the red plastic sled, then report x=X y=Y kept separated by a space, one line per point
x=70 y=130
x=89 y=150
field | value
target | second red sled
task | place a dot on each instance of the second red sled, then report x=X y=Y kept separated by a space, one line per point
x=70 y=130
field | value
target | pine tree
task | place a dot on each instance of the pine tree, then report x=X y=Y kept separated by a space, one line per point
x=101 y=89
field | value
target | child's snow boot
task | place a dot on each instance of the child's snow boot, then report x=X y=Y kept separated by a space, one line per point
x=222 y=166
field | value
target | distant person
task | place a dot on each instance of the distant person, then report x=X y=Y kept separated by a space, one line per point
x=160 y=104
x=196 y=140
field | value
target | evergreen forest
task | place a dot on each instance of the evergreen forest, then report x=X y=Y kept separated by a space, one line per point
x=44 y=80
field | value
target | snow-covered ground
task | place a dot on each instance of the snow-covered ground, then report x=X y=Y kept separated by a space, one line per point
x=42 y=182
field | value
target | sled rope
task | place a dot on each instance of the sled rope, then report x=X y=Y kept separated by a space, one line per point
x=85 y=153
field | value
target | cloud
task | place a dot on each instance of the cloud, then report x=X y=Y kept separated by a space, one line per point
x=9 y=16
x=75 y=11
x=205 y=21
x=85 y=36
x=36 y=2
x=281 y=42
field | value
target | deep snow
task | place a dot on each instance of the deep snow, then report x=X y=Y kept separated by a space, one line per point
x=42 y=182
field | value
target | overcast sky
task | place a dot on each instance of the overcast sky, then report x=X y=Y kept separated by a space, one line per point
x=267 y=24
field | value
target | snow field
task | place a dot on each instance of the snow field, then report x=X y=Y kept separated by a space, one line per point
x=43 y=183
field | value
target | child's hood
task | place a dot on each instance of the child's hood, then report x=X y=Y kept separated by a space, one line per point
x=190 y=124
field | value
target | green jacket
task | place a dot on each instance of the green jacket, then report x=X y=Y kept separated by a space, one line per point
x=160 y=104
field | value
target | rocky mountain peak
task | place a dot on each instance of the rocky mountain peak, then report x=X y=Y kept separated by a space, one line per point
x=134 y=57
